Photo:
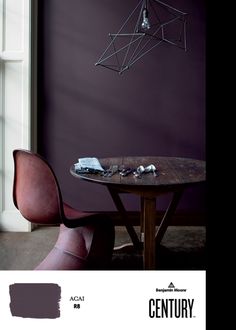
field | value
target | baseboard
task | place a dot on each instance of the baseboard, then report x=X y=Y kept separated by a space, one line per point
x=179 y=219
x=12 y=220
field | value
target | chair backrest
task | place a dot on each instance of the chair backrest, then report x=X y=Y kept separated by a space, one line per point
x=36 y=192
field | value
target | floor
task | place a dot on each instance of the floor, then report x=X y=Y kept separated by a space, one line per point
x=182 y=248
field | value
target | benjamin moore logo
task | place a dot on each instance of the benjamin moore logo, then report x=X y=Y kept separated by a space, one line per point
x=171 y=288
x=171 y=307
x=171 y=285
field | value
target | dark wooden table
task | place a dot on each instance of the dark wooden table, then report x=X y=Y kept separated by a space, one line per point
x=174 y=175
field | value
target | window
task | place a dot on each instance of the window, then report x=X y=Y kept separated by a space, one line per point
x=16 y=124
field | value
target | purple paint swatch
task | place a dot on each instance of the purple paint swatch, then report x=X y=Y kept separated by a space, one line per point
x=35 y=300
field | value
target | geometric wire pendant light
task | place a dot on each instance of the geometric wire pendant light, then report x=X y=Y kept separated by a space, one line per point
x=151 y=23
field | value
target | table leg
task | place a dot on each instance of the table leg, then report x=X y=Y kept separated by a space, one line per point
x=141 y=219
x=167 y=216
x=120 y=207
x=149 y=223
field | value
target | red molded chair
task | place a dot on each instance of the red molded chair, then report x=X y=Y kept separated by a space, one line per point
x=85 y=240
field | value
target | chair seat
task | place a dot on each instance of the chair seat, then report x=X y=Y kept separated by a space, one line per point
x=71 y=213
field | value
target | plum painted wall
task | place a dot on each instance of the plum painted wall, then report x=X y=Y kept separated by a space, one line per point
x=155 y=108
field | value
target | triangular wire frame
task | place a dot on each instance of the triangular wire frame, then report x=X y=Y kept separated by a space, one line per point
x=132 y=42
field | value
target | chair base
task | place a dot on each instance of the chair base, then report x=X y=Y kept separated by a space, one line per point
x=83 y=248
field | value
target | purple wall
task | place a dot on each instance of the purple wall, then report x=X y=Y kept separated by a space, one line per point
x=155 y=108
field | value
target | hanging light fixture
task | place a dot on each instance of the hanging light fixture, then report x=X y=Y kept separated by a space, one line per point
x=145 y=23
x=151 y=23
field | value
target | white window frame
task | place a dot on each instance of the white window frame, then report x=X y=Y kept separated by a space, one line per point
x=18 y=102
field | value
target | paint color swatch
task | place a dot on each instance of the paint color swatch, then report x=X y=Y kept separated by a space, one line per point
x=35 y=300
